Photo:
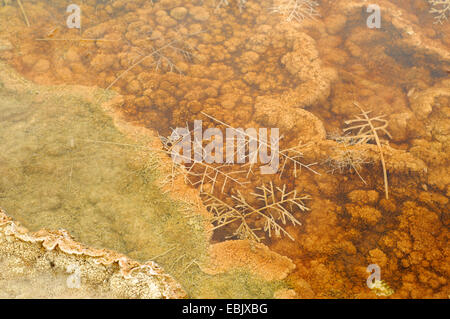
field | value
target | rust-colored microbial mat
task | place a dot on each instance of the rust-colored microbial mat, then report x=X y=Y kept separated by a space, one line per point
x=358 y=206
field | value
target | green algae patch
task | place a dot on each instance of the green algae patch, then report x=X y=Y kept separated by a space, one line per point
x=64 y=164
x=238 y=284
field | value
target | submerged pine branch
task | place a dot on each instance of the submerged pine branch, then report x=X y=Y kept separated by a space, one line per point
x=222 y=3
x=206 y=177
x=364 y=129
x=440 y=9
x=275 y=212
x=296 y=10
x=177 y=46
x=291 y=156
x=347 y=158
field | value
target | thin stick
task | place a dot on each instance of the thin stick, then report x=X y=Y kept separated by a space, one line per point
x=137 y=63
x=354 y=166
x=44 y=39
x=189 y=265
x=251 y=138
x=157 y=51
x=377 y=140
x=23 y=12
x=164 y=253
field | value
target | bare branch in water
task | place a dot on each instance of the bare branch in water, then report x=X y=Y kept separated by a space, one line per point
x=364 y=129
x=276 y=211
x=296 y=10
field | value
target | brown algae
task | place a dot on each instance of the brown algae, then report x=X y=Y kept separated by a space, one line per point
x=245 y=63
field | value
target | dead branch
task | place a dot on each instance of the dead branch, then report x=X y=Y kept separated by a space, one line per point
x=275 y=212
x=365 y=129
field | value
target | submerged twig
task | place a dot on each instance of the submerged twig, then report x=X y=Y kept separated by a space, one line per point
x=19 y=2
x=198 y=173
x=275 y=212
x=296 y=10
x=367 y=130
x=440 y=8
x=45 y=39
x=291 y=155
x=346 y=158
x=158 y=53
x=241 y=4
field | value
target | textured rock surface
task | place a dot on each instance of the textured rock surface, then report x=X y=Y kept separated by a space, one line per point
x=45 y=264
